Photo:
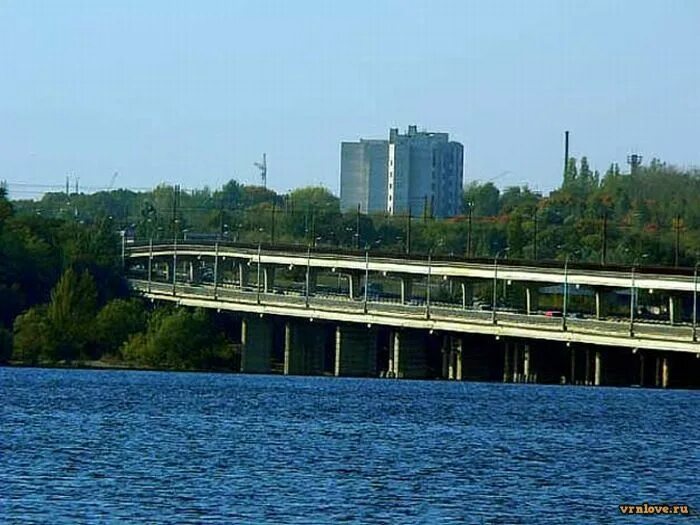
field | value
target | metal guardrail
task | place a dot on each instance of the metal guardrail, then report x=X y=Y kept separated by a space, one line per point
x=253 y=297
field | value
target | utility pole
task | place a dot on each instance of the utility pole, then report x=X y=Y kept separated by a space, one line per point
x=425 y=208
x=678 y=239
x=566 y=154
x=534 y=242
x=357 y=228
x=408 y=231
x=604 y=247
x=67 y=185
x=272 y=226
x=469 y=230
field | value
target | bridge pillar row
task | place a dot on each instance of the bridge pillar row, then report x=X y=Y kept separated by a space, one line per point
x=256 y=338
x=355 y=351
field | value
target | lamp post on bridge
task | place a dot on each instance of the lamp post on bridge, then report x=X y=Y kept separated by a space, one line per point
x=258 y=271
x=427 y=291
x=175 y=223
x=695 y=302
x=150 y=261
x=633 y=293
x=216 y=270
x=308 y=274
x=495 y=283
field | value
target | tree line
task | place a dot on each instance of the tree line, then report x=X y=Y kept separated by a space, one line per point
x=63 y=296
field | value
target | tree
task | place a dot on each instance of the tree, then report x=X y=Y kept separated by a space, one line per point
x=70 y=313
x=117 y=320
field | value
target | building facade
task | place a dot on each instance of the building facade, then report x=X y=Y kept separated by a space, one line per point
x=418 y=172
x=363 y=175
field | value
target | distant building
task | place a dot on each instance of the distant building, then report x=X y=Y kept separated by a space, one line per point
x=419 y=171
x=363 y=169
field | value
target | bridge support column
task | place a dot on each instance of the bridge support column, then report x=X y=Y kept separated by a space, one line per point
x=598 y=378
x=527 y=364
x=454 y=369
x=355 y=351
x=516 y=362
x=303 y=349
x=673 y=309
x=600 y=306
x=467 y=294
x=530 y=299
x=507 y=363
x=406 y=289
x=408 y=355
x=572 y=366
x=268 y=273
x=665 y=372
x=256 y=336
x=446 y=357
x=354 y=280
x=243 y=274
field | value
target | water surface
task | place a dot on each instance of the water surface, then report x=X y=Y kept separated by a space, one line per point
x=152 y=447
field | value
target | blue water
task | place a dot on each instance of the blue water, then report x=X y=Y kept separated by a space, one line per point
x=126 y=447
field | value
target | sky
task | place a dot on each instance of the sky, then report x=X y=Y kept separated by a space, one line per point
x=194 y=92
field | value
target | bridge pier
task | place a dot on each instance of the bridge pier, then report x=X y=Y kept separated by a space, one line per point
x=674 y=309
x=598 y=376
x=268 y=273
x=407 y=356
x=243 y=274
x=531 y=305
x=355 y=351
x=256 y=339
x=303 y=349
x=354 y=285
x=467 y=293
x=406 y=289
x=507 y=363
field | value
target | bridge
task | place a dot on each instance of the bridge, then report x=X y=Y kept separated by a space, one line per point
x=367 y=313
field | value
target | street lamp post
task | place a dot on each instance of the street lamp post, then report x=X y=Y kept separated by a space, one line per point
x=366 y=275
x=216 y=269
x=633 y=294
x=566 y=291
x=427 y=291
x=695 y=302
x=150 y=261
x=258 y=291
x=308 y=274
x=495 y=284
x=175 y=257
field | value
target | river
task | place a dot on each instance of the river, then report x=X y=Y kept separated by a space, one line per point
x=81 y=446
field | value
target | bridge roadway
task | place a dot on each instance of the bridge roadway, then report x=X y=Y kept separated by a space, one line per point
x=442 y=318
x=652 y=278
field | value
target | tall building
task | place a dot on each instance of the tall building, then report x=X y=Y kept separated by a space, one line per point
x=363 y=168
x=420 y=172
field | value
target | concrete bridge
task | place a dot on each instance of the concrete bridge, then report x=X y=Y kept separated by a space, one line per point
x=367 y=314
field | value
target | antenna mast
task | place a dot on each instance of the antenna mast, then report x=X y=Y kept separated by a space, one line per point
x=263 y=170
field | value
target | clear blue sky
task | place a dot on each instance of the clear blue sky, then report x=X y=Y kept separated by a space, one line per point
x=195 y=92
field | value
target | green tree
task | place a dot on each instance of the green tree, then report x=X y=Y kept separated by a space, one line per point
x=117 y=320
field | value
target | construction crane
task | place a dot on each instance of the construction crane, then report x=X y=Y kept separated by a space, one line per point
x=112 y=181
x=263 y=170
